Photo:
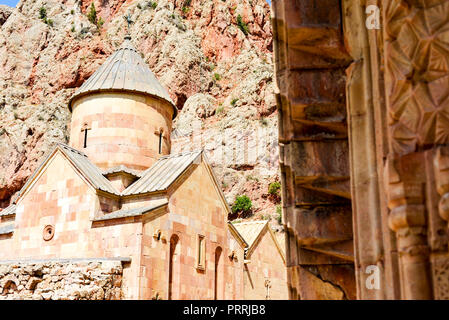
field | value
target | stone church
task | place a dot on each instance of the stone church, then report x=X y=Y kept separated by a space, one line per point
x=115 y=215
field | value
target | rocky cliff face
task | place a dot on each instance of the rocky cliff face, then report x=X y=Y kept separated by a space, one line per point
x=213 y=56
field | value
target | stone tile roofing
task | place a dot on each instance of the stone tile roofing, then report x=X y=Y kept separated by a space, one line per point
x=7 y=229
x=250 y=230
x=8 y=211
x=157 y=178
x=124 y=169
x=124 y=70
x=124 y=213
x=91 y=172
x=162 y=173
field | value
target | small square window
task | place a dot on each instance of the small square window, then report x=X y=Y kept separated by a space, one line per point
x=201 y=253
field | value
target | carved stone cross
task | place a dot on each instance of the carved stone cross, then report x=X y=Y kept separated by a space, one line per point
x=84 y=129
x=268 y=286
x=128 y=20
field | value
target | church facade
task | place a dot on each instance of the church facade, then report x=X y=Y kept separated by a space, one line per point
x=116 y=199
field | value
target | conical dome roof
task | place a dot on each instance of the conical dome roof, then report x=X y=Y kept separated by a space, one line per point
x=124 y=70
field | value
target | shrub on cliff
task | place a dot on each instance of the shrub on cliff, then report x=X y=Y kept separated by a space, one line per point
x=242 y=204
x=274 y=188
x=92 y=14
x=242 y=25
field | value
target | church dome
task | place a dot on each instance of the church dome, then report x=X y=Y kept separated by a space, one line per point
x=124 y=70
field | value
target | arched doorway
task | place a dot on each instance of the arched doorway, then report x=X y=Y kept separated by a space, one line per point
x=218 y=275
x=173 y=267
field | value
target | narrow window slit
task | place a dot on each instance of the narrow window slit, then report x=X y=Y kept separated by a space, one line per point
x=160 y=142
x=85 y=138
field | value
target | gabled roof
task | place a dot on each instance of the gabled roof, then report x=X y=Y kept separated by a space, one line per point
x=124 y=70
x=124 y=213
x=122 y=169
x=7 y=229
x=251 y=231
x=237 y=235
x=80 y=161
x=162 y=173
x=8 y=211
x=91 y=171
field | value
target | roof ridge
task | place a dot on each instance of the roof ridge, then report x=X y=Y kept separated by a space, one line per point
x=251 y=222
x=180 y=154
x=67 y=147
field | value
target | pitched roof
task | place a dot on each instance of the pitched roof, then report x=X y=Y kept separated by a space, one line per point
x=122 y=169
x=250 y=230
x=90 y=171
x=132 y=212
x=8 y=210
x=7 y=229
x=157 y=178
x=162 y=173
x=124 y=70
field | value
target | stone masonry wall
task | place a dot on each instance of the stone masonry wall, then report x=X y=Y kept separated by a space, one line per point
x=61 y=280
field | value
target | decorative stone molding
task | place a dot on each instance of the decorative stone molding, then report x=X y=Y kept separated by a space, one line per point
x=49 y=232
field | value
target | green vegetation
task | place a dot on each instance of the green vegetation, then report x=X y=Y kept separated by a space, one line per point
x=219 y=110
x=242 y=204
x=242 y=25
x=274 y=188
x=42 y=13
x=252 y=178
x=92 y=17
x=152 y=4
x=100 y=22
x=92 y=14
x=279 y=214
x=217 y=76
x=234 y=101
x=72 y=11
x=43 y=16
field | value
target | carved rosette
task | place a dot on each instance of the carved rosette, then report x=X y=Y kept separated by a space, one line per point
x=416 y=53
x=417 y=63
